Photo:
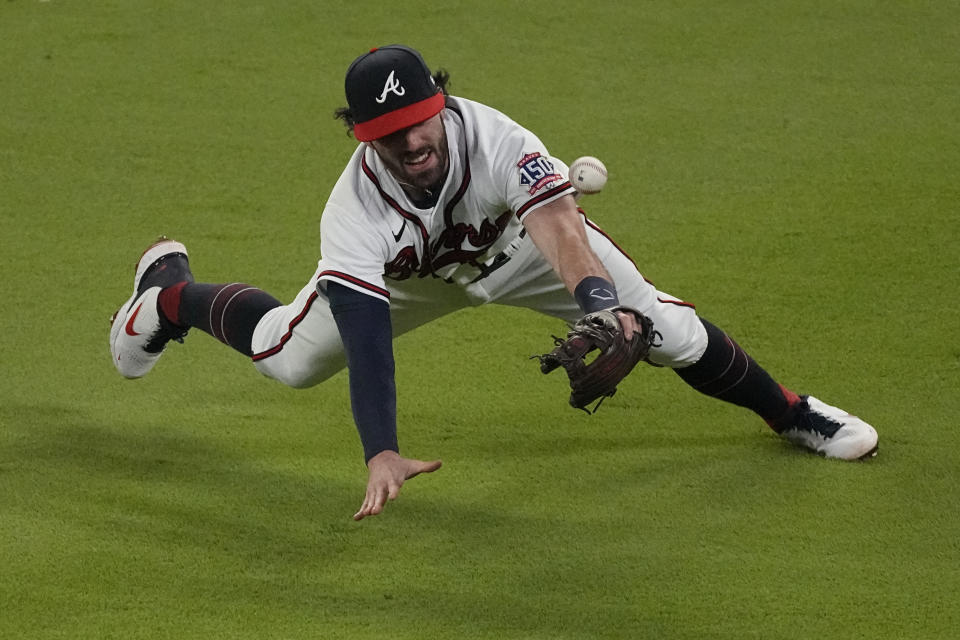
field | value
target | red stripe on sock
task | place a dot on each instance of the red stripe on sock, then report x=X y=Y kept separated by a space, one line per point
x=169 y=303
x=791 y=397
x=792 y=400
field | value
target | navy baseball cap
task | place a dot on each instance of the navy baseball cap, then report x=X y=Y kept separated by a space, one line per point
x=388 y=89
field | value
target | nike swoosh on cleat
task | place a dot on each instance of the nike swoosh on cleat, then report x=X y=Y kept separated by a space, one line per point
x=133 y=316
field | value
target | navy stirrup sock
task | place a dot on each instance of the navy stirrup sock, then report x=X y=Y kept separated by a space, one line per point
x=228 y=312
x=727 y=372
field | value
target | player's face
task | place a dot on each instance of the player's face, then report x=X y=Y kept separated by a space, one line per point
x=416 y=155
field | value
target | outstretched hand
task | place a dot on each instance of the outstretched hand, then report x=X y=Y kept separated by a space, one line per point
x=387 y=473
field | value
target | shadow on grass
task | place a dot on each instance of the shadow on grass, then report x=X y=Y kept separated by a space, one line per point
x=159 y=518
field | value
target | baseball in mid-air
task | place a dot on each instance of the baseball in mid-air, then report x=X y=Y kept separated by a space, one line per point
x=588 y=175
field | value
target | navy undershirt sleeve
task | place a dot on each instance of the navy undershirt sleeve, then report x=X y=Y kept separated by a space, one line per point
x=364 y=324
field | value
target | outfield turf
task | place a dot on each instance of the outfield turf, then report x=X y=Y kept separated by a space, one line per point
x=791 y=167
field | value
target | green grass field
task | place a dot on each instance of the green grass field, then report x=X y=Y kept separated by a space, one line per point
x=791 y=167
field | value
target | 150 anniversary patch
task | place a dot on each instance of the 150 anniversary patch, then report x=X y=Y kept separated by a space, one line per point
x=537 y=172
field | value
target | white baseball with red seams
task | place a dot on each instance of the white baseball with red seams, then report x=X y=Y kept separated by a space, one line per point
x=588 y=175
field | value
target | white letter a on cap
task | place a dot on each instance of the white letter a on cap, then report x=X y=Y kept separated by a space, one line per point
x=391 y=86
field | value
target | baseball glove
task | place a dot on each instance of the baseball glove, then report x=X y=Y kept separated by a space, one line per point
x=600 y=330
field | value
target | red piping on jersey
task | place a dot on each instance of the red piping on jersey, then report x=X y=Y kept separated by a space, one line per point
x=679 y=303
x=448 y=210
x=353 y=280
x=593 y=226
x=393 y=203
x=289 y=334
x=540 y=198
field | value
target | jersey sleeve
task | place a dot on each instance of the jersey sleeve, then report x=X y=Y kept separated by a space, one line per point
x=352 y=252
x=529 y=176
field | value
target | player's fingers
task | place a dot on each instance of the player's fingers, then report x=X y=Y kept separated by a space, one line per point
x=393 y=491
x=379 y=499
x=419 y=466
x=364 y=508
x=370 y=507
x=629 y=325
x=372 y=503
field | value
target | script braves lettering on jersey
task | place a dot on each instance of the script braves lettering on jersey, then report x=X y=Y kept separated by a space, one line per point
x=537 y=172
x=457 y=243
x=404 y=265
x=392 y=85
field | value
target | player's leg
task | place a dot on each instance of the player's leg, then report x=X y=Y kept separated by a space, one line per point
x=727 y=372
x=297 y=344
x=711 y=362
x=228 y=312
x=140 y=330
x=167 y=302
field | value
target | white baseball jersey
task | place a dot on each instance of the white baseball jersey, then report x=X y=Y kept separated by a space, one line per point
x=428 y=262
x=372 y=233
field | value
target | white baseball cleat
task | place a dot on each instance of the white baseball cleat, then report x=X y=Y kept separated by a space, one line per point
x=831 y=432
x=138 y=334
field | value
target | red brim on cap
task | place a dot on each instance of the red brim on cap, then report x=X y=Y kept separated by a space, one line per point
x=399 y=119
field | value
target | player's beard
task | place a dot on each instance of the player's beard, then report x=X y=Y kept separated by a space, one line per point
x=425 y=168
x=422 y=169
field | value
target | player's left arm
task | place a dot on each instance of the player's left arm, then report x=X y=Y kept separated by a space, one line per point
x=557 y=230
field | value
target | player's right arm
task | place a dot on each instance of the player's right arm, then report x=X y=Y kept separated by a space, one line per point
x=365 y=330
x=356 y=241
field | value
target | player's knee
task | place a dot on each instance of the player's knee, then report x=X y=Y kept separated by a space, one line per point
x=679 y=344
x=300 y=379
x=300 y=374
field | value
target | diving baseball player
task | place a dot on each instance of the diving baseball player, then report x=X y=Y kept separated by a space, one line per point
x=445 y=203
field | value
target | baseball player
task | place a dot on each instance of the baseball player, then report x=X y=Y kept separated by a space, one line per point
x=445 y=203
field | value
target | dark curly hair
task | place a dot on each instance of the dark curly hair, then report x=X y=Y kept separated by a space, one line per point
x=441 y=77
